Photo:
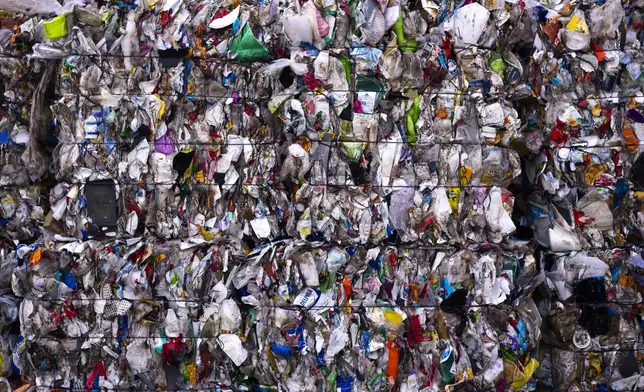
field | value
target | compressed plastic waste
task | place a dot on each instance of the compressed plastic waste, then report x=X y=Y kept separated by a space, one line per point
x=321 y=196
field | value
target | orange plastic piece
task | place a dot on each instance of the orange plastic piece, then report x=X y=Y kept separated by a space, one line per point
x=392 y=365
x=631 y=140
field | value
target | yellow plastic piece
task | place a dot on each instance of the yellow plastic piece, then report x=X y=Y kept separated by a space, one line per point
x=528 y=371
x=205 y=234
x=465 y=175
x=393 y=317
x=577 y=24
x=454 y=195
x=55 y=28
x=593 y=172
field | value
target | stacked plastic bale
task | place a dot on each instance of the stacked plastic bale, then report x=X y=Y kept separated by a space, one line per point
x=358 y=195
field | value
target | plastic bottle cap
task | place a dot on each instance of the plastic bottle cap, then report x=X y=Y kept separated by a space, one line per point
x=581 y=339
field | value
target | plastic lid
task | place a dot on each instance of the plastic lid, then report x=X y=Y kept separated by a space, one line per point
x=581 y=339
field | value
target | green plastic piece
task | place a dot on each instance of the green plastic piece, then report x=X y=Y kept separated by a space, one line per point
x=247 y=48
x=347 y=67
x=398 y=30
x=412 y=117
x=404 y=44
x=367 y=83
x=331 y=379
x=328 y=282
x=410 y=45
x=497 y=65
